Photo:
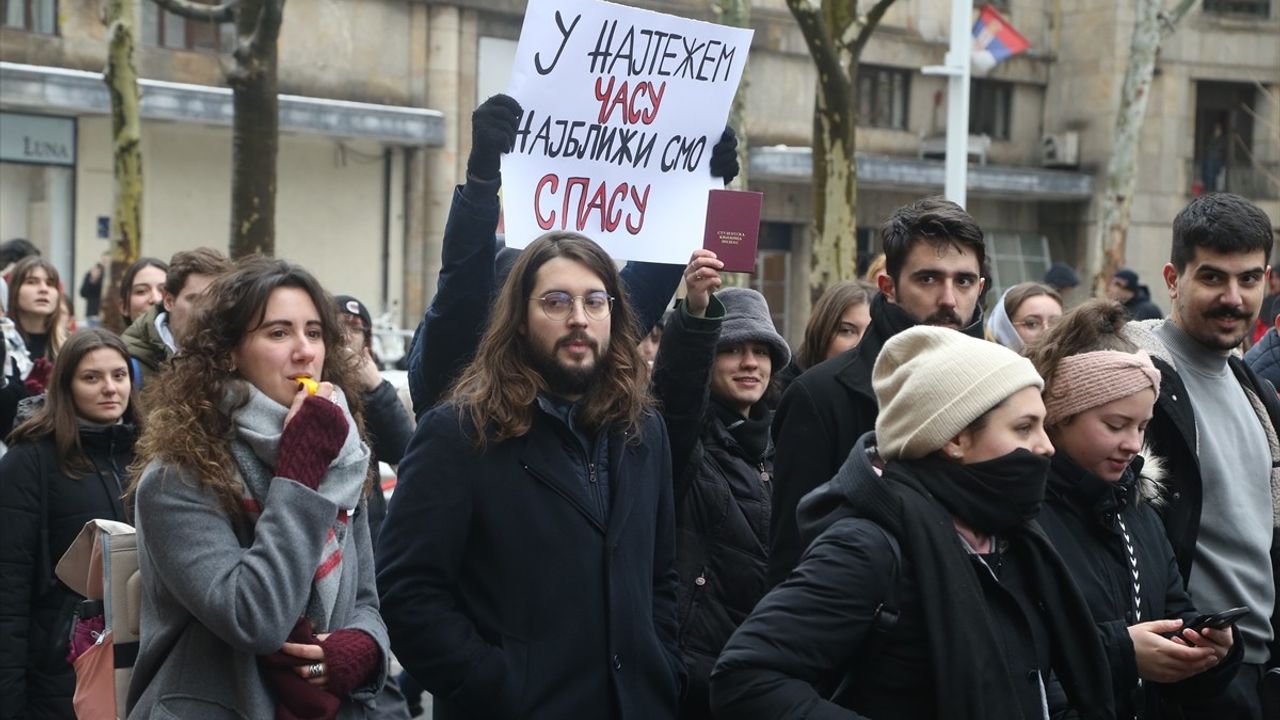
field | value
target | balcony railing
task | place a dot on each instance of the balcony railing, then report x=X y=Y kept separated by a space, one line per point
x=1260 y=181
x=1254 y=8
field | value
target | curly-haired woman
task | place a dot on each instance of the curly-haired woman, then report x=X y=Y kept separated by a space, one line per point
x=258 y=585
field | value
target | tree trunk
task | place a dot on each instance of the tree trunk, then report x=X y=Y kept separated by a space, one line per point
x=126 y=219
x=836 y=34
x=255 y=133
x=737 y=13
x=1106 y=253
x=834 y=253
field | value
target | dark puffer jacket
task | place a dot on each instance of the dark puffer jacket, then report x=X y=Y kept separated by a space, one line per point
x=722 y=491
x=1140 y=306
x=1082 y=515
x=35 y=608
x=1264 y=358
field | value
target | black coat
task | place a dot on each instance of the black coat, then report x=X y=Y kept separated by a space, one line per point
x=1172 y=435
x=389 y=428
x=1080 y=517
x=506 y=595
x=721 y=497
x=35 y=607
x=822 y=414
x=1140 y=306
x=809 y=650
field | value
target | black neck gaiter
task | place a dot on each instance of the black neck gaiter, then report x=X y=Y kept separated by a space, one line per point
x=992 y=497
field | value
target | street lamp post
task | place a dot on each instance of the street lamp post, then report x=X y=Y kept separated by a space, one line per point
x=956 y=70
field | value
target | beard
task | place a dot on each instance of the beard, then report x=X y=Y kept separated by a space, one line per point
x=562 y=379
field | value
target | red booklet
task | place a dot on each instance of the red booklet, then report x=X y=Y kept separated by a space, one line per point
x=733 y=228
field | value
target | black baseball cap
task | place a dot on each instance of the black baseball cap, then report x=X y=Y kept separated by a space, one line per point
x=348 y=305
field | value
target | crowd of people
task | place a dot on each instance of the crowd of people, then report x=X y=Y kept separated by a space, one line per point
x=610 y=508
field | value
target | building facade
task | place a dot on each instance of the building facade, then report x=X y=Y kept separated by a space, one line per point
x=376 y=131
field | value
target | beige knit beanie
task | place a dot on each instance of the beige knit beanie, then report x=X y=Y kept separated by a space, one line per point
x=931 y=383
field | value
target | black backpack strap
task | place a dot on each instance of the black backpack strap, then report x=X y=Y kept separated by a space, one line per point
x=137 y=371
x=886 y=616
x=882 y=622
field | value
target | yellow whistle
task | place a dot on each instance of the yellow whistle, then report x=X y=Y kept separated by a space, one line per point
x=311 y=385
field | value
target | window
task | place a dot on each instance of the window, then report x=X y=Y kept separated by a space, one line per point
x=35 y=15
x=773 y=267
x=990 y=108
x=1226 y=157
x=868 y=239
x=1015 y=258
x=164 y=29
x=1256 y=8
x=882 y=97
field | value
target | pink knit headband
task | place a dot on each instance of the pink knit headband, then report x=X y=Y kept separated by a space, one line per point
x=1083 y=382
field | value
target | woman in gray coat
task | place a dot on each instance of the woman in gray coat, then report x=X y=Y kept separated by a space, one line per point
x=258 y=585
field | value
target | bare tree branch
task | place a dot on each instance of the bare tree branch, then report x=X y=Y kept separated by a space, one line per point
x=831 y=75
x=869 y=25
x=268 y=27
x=220 y=13
x=1169 y=20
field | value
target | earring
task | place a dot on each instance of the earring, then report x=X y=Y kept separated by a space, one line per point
x=957 y=454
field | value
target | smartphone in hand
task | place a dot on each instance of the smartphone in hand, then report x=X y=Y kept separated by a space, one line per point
x=1213 y=621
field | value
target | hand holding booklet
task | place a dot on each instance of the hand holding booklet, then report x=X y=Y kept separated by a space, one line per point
x=733 y=228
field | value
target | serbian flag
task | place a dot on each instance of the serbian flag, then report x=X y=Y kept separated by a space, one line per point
x=994 y=40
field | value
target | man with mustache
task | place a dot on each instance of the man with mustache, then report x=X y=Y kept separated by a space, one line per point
x=935 y=260
x=526 y=564
x=1215 y=424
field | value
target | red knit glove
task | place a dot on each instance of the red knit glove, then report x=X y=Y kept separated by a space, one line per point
x=38 y=379
x=311 y=441
x=350 y=656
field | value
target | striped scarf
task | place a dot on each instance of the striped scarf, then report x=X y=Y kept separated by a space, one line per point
x=259 y=424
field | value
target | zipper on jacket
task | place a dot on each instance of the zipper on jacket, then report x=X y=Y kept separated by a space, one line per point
x=764 y=474
x=595 y=488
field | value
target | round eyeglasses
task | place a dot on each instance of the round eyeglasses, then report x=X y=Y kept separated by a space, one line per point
x=559 y=305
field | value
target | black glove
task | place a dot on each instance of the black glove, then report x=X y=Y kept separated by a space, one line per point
x=493 y=132
x=724 y=156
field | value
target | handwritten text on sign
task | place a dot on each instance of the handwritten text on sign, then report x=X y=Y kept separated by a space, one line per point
x=621 y=109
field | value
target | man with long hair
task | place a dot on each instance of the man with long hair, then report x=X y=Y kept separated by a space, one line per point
x=526 y=563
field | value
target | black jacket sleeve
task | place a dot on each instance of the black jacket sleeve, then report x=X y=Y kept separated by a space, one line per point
x=387 y=423
x=682 y=382
x=802 y=463
x=806 y=631
x=650 y=287
x=666 y=579
x=20 y=538
x=449 y=333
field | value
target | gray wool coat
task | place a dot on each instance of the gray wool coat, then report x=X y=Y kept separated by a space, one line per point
x=215 y=598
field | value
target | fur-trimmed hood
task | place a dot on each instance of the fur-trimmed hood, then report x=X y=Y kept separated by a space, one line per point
x=1151 y=479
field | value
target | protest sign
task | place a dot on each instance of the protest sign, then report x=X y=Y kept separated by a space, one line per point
x=621 y=109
